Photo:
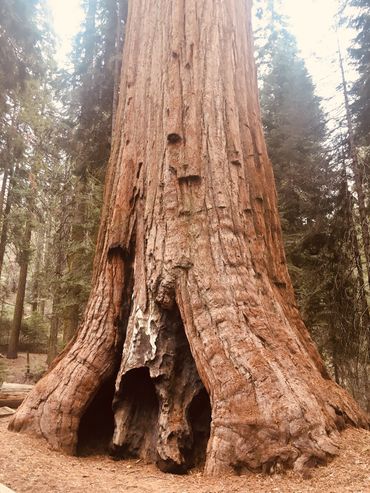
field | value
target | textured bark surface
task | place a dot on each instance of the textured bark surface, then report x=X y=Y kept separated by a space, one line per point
x=12 y=352
x=191 y=289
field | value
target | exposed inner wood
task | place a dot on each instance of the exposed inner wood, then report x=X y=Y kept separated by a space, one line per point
x=160 y=408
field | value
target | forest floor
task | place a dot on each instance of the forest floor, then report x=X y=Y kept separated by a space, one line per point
x=28 y=465
x=14 y=370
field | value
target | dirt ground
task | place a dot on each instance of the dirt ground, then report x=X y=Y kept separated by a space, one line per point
x=15 y=369
x=28 y=465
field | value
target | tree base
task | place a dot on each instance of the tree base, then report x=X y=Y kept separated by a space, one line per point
x=159 y=410
x=196 y=380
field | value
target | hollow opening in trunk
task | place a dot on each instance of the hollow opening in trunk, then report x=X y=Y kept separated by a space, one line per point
x=136 y=416
x=97 y=423
x=186 y=392
x=176 y=396
x=199 y=417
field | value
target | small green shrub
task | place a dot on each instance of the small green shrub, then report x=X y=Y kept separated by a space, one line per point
x=34 y=332
x=33 y=336
x=37 y=373
x=2 y=371
x=5 y=325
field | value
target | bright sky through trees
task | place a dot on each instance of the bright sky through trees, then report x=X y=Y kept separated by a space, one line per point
x=67 y=16
x=313 y=24
x=311 y=21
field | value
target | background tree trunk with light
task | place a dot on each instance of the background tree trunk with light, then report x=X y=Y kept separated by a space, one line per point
x=24 y=258
x=192 y=313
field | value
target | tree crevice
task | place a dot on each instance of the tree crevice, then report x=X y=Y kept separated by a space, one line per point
x=97 y=423
x=162 y=410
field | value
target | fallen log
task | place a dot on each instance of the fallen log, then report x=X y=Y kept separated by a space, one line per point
x=5 y=412
x=13 y=394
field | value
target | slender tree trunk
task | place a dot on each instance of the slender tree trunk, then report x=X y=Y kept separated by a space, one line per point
x=4 y=230
x=71 y=320
x=3 y=189
x=72 y=311
x=55 y=319
x=90 y=33
x=362 y=305
x=36 y=272
x=191 y=295
x=8 y=166
x=19 y=302
x=54 y=328
x=88 y=61
x=358 y=174
x=5 y=222
x=361 y=276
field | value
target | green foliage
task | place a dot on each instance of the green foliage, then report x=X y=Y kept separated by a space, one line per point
x=25 y=46
x=19 y=46
x=316 y=205
x=90 y=102
x=360 y=53
x=294 y=128
x=54 y=156
x=34 y=332
x=88 y=94
x=359 y=19
x=29 y=130
x=5 y=325
x=295 y=131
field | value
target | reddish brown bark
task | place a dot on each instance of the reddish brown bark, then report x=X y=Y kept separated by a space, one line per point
x=121 y=18
x=191 y=289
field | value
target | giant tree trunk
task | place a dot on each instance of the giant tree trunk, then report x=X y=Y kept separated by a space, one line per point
x=191 y=296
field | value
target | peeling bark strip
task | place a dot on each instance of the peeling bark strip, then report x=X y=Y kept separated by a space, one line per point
x=191 y=292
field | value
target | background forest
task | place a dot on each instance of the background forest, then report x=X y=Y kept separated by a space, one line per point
x=55 y=132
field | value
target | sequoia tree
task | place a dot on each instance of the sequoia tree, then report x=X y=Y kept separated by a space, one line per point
x=192 y=312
